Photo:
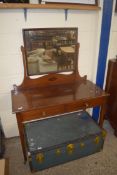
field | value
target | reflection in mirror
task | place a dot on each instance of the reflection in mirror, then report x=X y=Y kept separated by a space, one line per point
x=50 y=50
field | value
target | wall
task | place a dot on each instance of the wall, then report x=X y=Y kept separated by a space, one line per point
x=11 y=66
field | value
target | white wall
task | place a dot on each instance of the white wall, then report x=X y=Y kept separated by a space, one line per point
x=11 y=66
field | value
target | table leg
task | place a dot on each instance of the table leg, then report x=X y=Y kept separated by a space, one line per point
x=102 y=114
x=21 y=133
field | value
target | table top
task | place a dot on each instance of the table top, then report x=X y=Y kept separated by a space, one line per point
x=38 y=98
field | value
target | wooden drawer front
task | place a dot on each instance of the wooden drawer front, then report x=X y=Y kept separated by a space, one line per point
x=83 y=104
x=41 y=113
x=74 y=106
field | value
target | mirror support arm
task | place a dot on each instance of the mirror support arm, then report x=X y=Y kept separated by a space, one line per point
x=24 y=61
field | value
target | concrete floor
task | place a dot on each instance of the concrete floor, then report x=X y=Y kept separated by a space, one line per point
x=102 y=163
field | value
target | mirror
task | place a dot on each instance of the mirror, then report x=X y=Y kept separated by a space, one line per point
x=50 y=50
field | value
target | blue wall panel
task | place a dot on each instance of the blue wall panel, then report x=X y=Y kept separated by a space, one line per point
x=104 y=41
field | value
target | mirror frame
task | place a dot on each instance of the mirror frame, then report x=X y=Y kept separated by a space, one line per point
x=47 y=30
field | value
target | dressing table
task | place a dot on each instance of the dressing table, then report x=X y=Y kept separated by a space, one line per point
x=53 y=94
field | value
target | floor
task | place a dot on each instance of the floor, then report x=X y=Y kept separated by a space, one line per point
x=102 y=163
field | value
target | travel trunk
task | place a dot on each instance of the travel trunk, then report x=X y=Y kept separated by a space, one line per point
x=59 y=139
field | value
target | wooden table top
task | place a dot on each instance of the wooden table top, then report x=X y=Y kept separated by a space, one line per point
x=38 y=98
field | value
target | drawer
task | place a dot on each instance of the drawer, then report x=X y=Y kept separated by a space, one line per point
x=75 y=106
x=42 y=113
x=83 y=104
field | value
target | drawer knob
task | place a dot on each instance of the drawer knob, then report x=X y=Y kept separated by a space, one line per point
x=86 y=105
x=43 y=113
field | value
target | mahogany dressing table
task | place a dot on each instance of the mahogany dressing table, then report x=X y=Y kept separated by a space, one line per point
x=54 y=94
